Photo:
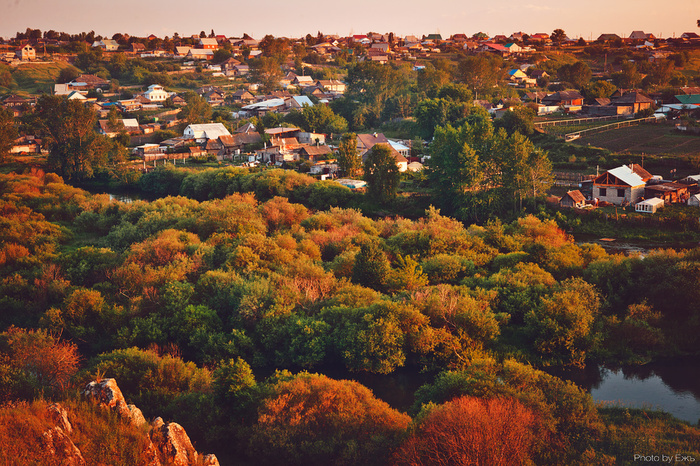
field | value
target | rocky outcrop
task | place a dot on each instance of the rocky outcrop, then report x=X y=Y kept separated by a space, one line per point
x=58 y=446
x=169 y=443
x=106 y=393
x=59 y=415
x=173 y=445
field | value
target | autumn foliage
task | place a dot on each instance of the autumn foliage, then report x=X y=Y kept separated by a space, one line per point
x=474 y=431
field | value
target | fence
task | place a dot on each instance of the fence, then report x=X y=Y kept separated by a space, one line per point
x=570 y=178
x=600 y=129
x=576 y=121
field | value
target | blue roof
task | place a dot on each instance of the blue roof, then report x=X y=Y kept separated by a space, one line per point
x=303 y=100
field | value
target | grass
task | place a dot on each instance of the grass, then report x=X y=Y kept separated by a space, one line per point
x=35 y=78
x=630 y=432
x=655 y=139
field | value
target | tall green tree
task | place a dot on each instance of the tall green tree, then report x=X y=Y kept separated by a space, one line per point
x=557 y=36
x=381 y=173
x=75 y=149
x=196 y=111
x=8 y=133
x=349 y=161
x=481 y=73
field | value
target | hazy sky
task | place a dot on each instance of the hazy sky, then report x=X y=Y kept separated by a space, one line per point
x=297 y=18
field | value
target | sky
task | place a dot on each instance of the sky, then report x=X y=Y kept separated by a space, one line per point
x=287 y=18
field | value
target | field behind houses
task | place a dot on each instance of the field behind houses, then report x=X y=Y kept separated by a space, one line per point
x=654 y=139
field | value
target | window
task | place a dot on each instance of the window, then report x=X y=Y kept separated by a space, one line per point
x=602 y=192
x=620 y=193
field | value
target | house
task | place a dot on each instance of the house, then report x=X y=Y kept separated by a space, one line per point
x=671 y=193
x=138 y=47
x=242 y=95
x=565 y=98
x=203 y=132
x=200 y=54
x=182 y=52
x=573 y=199
x=26 y=145
x=26 y=53
x=366 y=141
x=108 y=45
x=634 y=101
x=314 y=153
x=90 y=81
x=208 y=43
x=516 y=74
x=331 y=85
x=649 y=206
x=311 y=138
x=638 y=35
x=298 y=102
x=622 y=185
x=303 y=81
x=513 y=47
x=538 y=74
x=608 y=37
x=214 y=98
x=156 y=93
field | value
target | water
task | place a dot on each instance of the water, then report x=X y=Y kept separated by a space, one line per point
x=671 y=386
x=629 y=248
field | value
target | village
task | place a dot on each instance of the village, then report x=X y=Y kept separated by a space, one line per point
x=251 y=104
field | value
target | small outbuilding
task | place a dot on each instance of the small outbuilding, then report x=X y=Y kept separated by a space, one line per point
x=573 y=199
x=649 y=206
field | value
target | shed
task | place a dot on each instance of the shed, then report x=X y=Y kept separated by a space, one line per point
x=694 y=200
x=573 y=199
x=649 y=206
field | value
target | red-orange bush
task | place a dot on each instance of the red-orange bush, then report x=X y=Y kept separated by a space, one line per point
x=468 y=430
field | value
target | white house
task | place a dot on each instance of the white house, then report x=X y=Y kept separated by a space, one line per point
x=156 y=93
x=204 y=132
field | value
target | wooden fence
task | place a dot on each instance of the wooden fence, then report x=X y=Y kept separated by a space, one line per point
x=577 y=121
x=600 y=129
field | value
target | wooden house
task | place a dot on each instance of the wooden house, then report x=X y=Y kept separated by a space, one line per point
x=573 y=199
x=671 y=193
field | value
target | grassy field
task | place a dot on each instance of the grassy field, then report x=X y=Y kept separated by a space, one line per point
x=655 y=139
x=34 y=78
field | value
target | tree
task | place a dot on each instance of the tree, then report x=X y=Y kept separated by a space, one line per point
x=349 y=162
x=469 y=430
x=558 y=36
x=520 y=119
x=75 y=150
x=453 y=167
x=381 y=173
x=628 y=77
x=371 y=268
x=8 y=133
x=480 y=73
x=578 y=74
x=562 y=326
x=196 y=111
x=313 y=420
x=267 y=72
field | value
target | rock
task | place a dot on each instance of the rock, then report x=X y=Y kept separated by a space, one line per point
x=151 y=455
x=210 y=460
x=157 y=422
x=107 y=393
x=173 y=445
x=136 y=416
x=59 y=415
x=58 y=446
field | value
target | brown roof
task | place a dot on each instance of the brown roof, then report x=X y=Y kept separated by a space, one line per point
x=601 y=101
x=313 y=151
x=90 y=79
x=394 y=153
x=562 y=96
x=366 y=141
x=632 y=98
x=576 y=196
x=690 y=90
x=643 y=174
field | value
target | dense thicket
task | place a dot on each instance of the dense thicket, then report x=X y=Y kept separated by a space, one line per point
x=183 y=300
